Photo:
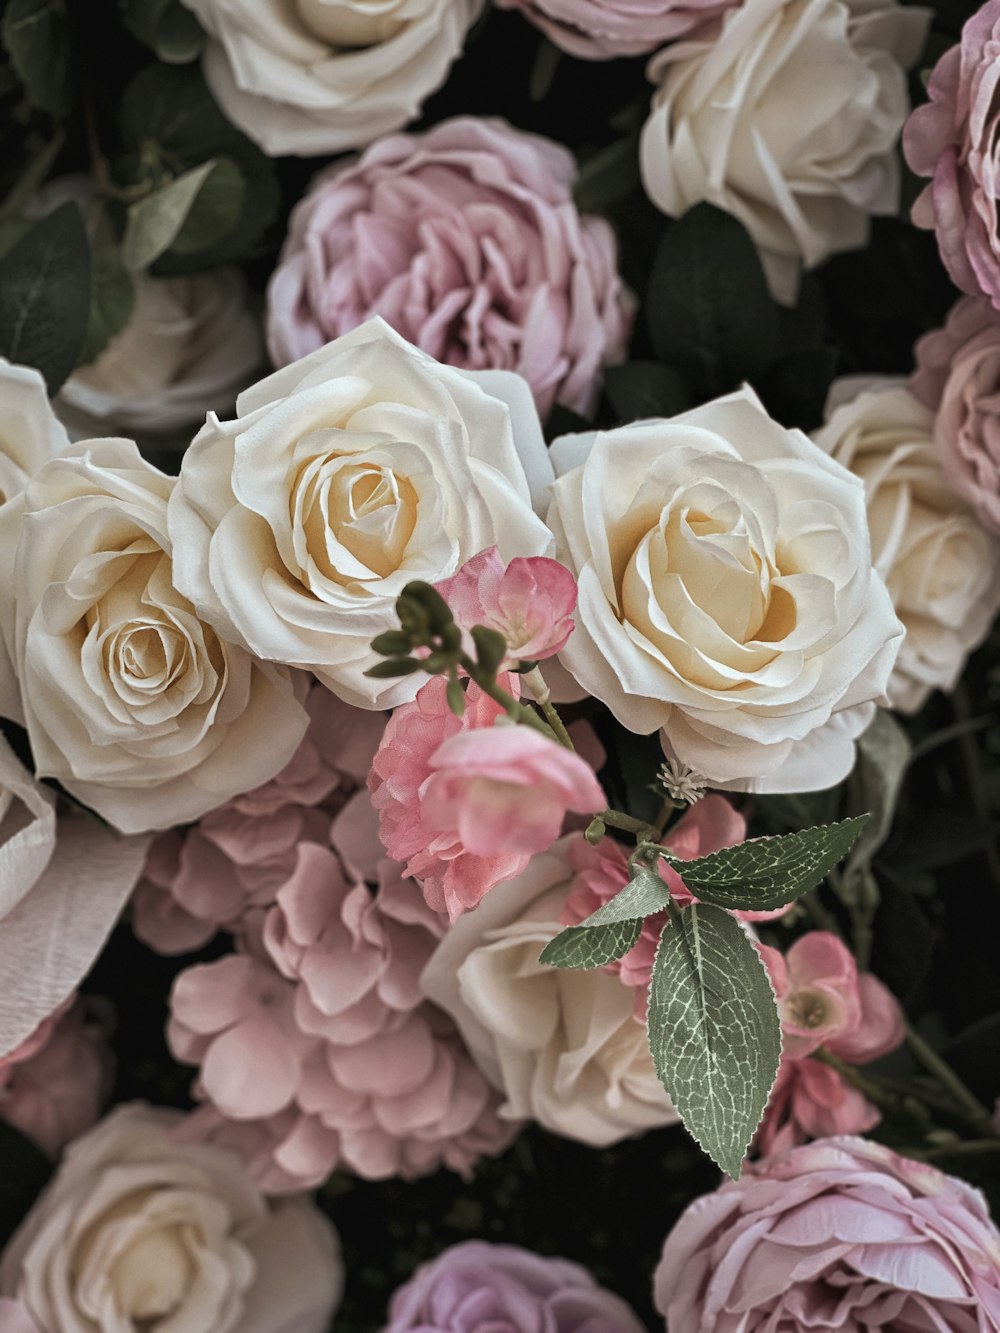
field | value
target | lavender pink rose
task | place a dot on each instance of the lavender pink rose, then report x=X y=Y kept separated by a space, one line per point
x=840 y=1234
x=467 y=241
x=603 y=29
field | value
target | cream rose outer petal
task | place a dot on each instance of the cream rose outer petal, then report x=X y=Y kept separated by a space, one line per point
x=343 y=477
x=727 y=595
x=138 y=708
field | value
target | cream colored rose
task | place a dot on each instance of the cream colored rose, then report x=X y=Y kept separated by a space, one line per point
x=62 y=886
x=319 y=76
x=727 y=594
x=941 y=568
x=138 y=1233
x=561 y=1044
x=345 y=476
x=786 y=114
x=138 y=707
x=191 y=344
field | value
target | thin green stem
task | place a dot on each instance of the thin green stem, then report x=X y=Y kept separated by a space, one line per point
x=629 y=824
x=32 y=177
x=873 y=1090
x=535 y=682
x=973 y=1109
x=968 y=1148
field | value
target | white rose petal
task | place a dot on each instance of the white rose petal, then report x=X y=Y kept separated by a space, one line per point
x=345 y=476
x=727 y=595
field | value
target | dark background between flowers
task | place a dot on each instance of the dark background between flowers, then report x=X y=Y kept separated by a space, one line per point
x=84 y=94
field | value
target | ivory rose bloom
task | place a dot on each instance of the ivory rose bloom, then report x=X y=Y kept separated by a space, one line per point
x=840 y=1234
x=138 y=707
x=560 y=1044
x=786 y=113
x=727 y=595
x=952 y=140
x=137 y=1231
x=467 y=241
x=318 y=76
x=603 y=29
x=343 y=477
x=942 y=570
x=958 y=378
x=190 y=344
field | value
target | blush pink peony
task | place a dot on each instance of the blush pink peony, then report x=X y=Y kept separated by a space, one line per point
x=841 y=1234
x=465 y=803
x=530 y=602
x=958 y=378
x=466 y=240
x=953 y=140
x=810 y=1100
x=603 y=29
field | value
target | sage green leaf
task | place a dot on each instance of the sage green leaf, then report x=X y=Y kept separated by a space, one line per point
x=644 y=894
x=112 y=301
x=216 y=209
x=591 y=946
x=714 y=1032
x=45 y=295
x=765 y=873
x=153 y=222
x=36 y=37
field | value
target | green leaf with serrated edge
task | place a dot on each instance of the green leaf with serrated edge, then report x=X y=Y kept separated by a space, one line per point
x=714 y=1032
x=644 y=894
x=591 y=946
x=153 y=222
x=764 y=873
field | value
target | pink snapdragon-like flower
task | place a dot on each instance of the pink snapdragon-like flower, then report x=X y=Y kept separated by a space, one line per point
x=958 y=378
x=604 y=29
x=530 y=602
x=465 y=803
x=810 y=1100
x=953 y=140
x=466 y=240
x=840 y=1234
x=824 y=1001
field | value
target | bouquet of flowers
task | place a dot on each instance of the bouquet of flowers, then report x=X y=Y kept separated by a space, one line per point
x=499 y=730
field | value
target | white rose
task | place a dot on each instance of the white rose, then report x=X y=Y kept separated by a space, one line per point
x=138 y=1233
x=727 y=594
x=191 y=343
x=941 y=568
x=136 y=706
x=786 y=114
x=62 y=887
x=561 y=1044
x=320 y=76
x=345 y=476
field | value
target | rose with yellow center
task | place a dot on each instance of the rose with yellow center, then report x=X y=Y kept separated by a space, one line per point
x=727 y=595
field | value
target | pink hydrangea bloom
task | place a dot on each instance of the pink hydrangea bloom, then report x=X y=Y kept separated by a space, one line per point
x=604 y=29
x=825 y=1002
x=958 y=378
x=466 y=240
x=530 y=602
x=464 y=803
x=840 y=1234
x=811 y=1101
x=601 y=871
x=953 y=140
x=478 y=1286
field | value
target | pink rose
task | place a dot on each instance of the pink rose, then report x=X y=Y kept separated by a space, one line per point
x=530 y=602
x=810 y=1100
x=953 y=140
x=825 y=1002
x=14 y=1317
x=603 y=29
x=467 y=241
x=840 y=1234
x=958 y=378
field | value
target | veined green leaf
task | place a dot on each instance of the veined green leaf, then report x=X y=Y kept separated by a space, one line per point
x=591 y=946
x=644 y=894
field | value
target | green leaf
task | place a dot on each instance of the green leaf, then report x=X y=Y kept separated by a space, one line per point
x=216 y=209
x=644 y=894
x=608 y=176
x=714 y=1032
x=169 y=30
x=45 y=295
x=645 y=389
x=765 y=873
x=491 y=647
x=112 y=301
x=36 y=37
x=154 y=222
x=591 y=946
x=883 y=757
x=709 y=310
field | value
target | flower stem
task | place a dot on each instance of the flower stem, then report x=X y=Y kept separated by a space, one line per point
x=628 y=824
x=540 y=692
x=946 y=1076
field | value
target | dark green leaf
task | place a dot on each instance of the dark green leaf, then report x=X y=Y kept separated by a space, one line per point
x=111 y=303
x=796 y=386
x=714 y=1032
x=215 y=211
x=608 y=176
x=709 y=310
x=883 y=753
x=26 y=1171
x=645 y=389
x=768 y=872
x=45 y=296
x=169 y=30
x=644 y=894
x=394 y=666
x=588 y=947
x=36 y=37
